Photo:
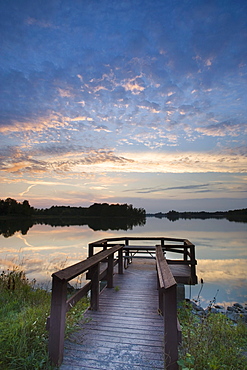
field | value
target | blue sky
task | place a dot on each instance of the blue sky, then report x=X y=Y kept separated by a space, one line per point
x=141 y=102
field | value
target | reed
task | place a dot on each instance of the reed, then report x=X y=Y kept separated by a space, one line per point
x=212 y=342
x=24 y=309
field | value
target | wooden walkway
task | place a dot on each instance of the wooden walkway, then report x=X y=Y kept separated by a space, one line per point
x=127 y=332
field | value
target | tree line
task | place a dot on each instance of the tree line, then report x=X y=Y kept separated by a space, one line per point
x=12 y=207
x=95 y=210
x=20 y=216
x=237 y=215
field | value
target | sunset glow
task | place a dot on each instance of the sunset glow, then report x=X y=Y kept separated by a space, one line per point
x=139 y=102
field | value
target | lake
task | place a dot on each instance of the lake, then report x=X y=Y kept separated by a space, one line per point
x=221 y=252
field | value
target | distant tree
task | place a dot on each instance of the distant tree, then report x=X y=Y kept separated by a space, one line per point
x=26 y=209
x=10 y=207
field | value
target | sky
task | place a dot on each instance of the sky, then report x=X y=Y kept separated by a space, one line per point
x=138 y=102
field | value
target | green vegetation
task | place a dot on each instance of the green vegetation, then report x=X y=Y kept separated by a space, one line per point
x=211 y=343
x=23 y=313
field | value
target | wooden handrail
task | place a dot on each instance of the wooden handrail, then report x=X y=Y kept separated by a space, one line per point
x=72 y=271
x=166 y=279
x=167 y=287
x=183 y=247
x=59 y=303
x=107 y=243
x=122 y=238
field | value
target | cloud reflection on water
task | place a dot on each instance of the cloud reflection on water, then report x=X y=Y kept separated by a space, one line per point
x=220 y=250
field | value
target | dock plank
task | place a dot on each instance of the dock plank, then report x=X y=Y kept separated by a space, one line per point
x=127 y=331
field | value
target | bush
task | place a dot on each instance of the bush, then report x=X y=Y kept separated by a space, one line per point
x=211 y=342
x=23 y=313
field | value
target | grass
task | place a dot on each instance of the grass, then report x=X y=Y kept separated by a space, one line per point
x=211 y=343
x=23 y=313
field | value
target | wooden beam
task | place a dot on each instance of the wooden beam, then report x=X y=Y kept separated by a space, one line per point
x=110 y=271
x=168 y=307
x=95 y=287
x=80 y=267
x=57 y=321
x=77 y=296
x=170 y=328
x=166 y=278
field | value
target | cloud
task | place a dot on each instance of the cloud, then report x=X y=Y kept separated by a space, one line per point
x=152 y=107
x=78 y=119
x=28 y=189
x=194 y=188
x=35 y=22
x=134 y=85
x=214 y=187
x=226 y=128
x=40 y=124
x=62 y=160
x=222 y=270
x=122 y=88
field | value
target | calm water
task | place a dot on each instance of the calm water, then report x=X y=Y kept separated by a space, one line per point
x=221 y=252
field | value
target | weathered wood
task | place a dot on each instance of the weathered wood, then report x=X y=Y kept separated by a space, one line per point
x=72 y=271
x=57 y=320
x=130 y=323
x=110 y=271
x=153 y=247
x=170 y=328
x=126 y=332
x=60 y=304
x=120 y=261
x=166 y=279
x=94 y=303
x=77 y=296
x=178 y=262
x=168 y=307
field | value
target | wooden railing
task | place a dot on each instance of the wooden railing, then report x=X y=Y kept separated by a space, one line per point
x=108 y=247
x=167 y=287
x=59 y=302
x=183 y=248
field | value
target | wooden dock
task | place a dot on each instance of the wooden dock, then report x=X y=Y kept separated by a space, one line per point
x=132 y=323
x=127 y=330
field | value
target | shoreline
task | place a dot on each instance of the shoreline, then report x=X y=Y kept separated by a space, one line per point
x=236 y=312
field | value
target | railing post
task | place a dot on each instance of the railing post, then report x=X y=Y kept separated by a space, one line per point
x=126 y=243
x=185 y=252
x=94 y=274
x=126 y=262
x=162 y=244
x=90 y=249
x=110 y=271
x=120 y=261
x=161 y=301
x=170 y=328
x=168 y=308
x=57 y=320
x=193 y=264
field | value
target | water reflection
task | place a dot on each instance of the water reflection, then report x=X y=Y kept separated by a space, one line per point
x=220 y=251
x=11 y=226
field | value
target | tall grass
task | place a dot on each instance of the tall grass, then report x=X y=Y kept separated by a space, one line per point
x=23 y=313
x=212 y=343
